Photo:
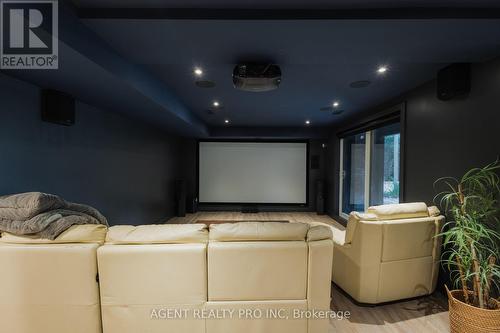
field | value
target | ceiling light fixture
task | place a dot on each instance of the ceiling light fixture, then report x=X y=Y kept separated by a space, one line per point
x=382 y=69
x=336 y=104
x=216 y=104
x=198 y=71
x=226 y=121
x=308 y=122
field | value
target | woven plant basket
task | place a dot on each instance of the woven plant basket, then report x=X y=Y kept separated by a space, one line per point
x=465 y=318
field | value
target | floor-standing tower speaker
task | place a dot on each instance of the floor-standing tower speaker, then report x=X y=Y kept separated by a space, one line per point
x=180 y=198
x=320 y=197
x=192 y=204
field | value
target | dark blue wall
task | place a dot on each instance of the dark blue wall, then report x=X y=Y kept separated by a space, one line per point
x=443 y=138
x=123 y=167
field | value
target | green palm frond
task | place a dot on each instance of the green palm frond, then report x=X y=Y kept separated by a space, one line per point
x=471 y=237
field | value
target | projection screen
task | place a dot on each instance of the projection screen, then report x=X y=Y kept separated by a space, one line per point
x=252 y=172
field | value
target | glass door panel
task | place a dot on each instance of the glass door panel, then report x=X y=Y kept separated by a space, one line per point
x=384 y=165
x=353 y=173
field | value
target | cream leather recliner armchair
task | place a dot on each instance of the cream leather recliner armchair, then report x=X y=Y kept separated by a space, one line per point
x=389 y=253
x=51 y=285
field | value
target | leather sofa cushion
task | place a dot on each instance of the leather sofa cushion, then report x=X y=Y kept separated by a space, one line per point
x=136 y=279
x=246 y=271
x=409 y=238
x=157 y=234
x=85 y=233
x=388 y=213
x=399 y=211
x=49 y=288
x=405 y=278
x=146 y=318
x=152 y=274
x=258 y=231
x=248 y=324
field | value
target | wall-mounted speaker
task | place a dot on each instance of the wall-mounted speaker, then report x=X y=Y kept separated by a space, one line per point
x=58 y=107
x=453 y=81
x=315 y=159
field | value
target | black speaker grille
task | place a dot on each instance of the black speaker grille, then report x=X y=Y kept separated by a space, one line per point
x=314 y=162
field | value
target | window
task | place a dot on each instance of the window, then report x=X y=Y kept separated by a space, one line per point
x=384 y=166
x=353 y=172
x=369 y=169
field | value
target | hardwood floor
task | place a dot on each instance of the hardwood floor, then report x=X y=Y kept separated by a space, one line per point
x=425 y=314
x=263 y=216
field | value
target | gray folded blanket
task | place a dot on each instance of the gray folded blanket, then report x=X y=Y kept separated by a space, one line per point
x=43 y=215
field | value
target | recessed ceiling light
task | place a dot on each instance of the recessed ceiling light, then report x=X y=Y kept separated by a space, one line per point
x=308 y=122
x=336 y=104
x=216 y=104
x=382 y=69
x=198 y=71
x=226 y=121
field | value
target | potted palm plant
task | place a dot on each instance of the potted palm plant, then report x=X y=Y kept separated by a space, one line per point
x=471 y=248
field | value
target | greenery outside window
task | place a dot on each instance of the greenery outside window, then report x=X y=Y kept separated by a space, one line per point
x=370 y=169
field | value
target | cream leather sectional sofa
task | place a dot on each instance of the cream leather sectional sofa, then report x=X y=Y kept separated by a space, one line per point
x=238 y=277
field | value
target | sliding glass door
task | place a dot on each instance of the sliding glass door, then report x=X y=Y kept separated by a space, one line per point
x=384 y=166
x=353 y=161
x=369 y=169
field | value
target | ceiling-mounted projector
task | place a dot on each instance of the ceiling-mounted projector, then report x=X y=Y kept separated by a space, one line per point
x=256 y=77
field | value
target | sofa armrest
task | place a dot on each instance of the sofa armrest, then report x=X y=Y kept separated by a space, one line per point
x=356 y=264
x=338 y=236
x=319 y=281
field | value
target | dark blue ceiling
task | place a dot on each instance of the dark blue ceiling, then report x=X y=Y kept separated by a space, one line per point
x=143 y=68
x=94 y=73
x=318 y=59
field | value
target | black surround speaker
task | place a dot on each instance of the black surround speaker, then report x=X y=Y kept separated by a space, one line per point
x=453 y=81
x=192 y=205
x=315 y=162
x=180 y=198
x=58 y=107
x=320 y=197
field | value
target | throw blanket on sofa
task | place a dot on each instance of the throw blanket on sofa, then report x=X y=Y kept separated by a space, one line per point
x=43 y=215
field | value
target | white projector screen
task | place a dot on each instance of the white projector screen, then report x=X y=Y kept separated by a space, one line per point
x=252 y=172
